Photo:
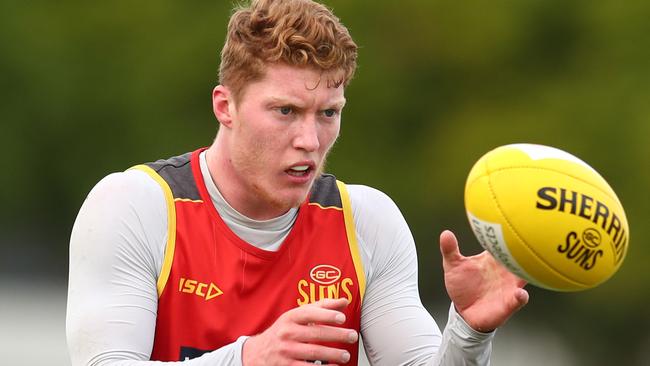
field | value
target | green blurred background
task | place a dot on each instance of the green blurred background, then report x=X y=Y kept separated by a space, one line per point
x=90 y=88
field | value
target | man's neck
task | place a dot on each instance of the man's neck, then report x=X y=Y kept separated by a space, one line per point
x=223 y=176
x=267 y=234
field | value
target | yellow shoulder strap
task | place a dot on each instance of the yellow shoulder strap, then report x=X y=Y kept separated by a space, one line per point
x=171 y=226
x=352 y=237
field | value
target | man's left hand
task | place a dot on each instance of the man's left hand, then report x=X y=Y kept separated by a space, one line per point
x=484 y=292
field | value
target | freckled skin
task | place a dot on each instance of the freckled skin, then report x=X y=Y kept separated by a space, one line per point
x=288 y=117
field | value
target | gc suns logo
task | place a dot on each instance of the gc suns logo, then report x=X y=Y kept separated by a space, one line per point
x=325 y=282
x=325 y=274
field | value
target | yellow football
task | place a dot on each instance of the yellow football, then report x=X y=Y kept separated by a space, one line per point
x=547 y=216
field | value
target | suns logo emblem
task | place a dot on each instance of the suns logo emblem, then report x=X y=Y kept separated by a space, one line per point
x=325 y=282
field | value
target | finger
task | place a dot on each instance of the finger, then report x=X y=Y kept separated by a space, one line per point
x=449 y=247
x=519 y=299
x=334 y=304
x=522 y=297
x=325 y=333
x=314 y=313
x=313 y=352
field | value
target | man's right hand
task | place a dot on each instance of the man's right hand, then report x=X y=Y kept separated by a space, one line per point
x=293 y=338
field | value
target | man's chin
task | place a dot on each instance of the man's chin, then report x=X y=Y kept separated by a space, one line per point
x=295 y=202
x=289 y=201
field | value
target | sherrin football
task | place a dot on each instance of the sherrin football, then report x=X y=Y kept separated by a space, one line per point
x=547 y=216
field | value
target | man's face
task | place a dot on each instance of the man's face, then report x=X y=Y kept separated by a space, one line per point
x=283 y=127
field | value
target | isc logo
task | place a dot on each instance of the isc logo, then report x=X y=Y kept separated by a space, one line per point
x=325 y=274
x=200 y=289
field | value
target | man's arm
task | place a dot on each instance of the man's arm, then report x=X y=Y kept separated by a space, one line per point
x=396 y=328
x=116 y=251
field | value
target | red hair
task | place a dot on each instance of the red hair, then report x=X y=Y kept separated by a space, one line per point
x=295 y=32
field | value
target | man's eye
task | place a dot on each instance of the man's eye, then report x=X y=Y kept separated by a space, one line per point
x=329 y=112
x=285 y=110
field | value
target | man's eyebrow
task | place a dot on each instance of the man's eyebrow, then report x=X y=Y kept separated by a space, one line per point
x=296 y=102
x=339 y=103
x=284 y=100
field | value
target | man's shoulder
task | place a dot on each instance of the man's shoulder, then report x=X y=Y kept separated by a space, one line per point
x=126 y=188
x=131 y=179
x=175 y=173
x=374 y=208
x=365 y=196
x=381 y=229
x=173 y=162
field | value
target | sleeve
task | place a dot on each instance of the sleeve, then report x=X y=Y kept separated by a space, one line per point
x=392 y=301
x=116 y=252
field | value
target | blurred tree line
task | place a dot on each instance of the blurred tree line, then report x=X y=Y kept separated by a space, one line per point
x=90 y=88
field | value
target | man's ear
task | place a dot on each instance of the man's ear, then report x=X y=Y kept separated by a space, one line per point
x=223 y=105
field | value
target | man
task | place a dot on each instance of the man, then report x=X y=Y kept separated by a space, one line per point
x=244 y=253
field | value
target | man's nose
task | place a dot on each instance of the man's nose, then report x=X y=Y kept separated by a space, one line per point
x=306 y=137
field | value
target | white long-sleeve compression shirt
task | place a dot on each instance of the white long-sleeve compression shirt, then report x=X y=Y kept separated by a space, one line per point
x=117 y=249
